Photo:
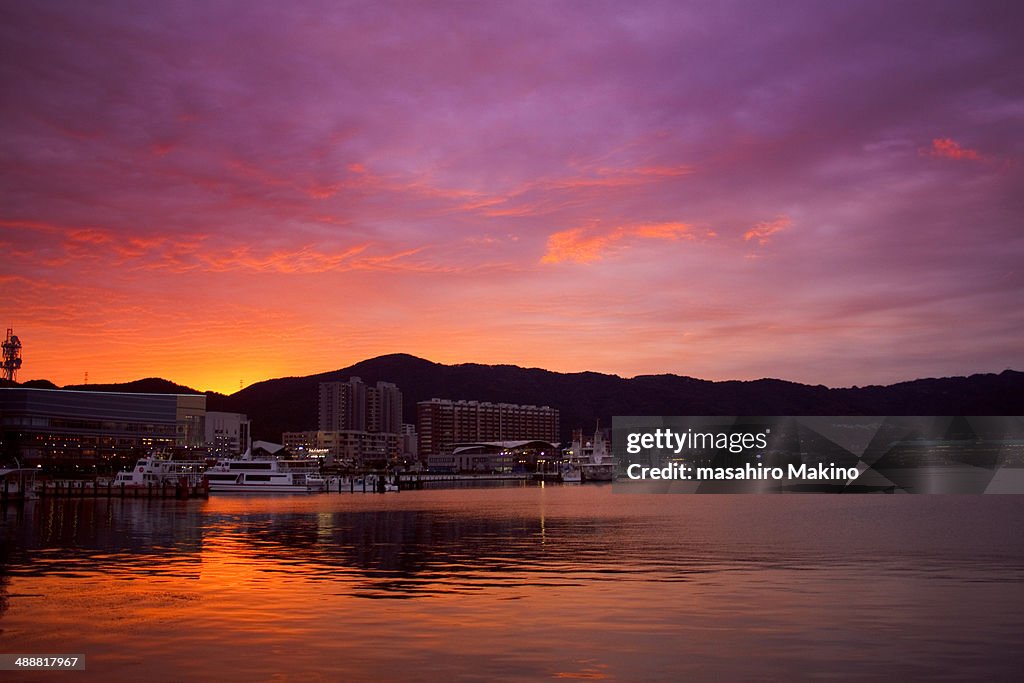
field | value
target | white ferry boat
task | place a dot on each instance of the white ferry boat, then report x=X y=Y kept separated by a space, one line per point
x=157 y=471
x=265 y=475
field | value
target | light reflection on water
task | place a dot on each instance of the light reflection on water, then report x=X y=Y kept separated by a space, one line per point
x=518 y=584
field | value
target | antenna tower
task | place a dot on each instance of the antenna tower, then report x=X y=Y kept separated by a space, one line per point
x=12 y=355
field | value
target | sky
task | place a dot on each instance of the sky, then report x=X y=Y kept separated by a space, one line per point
x=224 y=192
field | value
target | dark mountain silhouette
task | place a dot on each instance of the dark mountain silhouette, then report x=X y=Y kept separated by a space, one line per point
x=582 y=398
x=290 y=403
x=149 y=385
x=40 y=384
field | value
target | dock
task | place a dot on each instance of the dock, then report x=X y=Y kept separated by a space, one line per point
x=83 y=488
x=408 y=481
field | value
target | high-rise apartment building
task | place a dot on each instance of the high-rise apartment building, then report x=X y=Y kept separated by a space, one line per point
x=360 y=423
x=343 y=405
x=353 y=405
x=442 y=423
x=384 y=408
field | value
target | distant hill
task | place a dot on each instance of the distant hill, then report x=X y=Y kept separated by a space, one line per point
x=290 y=403
x=40 y=384
x=149 y=385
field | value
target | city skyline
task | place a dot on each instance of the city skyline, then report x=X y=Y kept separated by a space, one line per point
x=223 y=193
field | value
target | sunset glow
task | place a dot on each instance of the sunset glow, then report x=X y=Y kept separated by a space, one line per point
x=221 y=193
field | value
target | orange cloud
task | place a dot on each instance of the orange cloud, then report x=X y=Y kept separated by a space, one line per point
x=950 y=149
x=303 y=260
x=617 y=177
x=575 y=245
x=763 y=231
x=37 y=226
x=89 y=235
x=663 y=231
x=585 y=246
x=190 y=253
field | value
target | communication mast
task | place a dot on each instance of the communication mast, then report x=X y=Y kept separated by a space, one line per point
x=12 y=355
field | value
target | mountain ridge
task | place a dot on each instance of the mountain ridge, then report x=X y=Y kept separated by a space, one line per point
x=290 y=403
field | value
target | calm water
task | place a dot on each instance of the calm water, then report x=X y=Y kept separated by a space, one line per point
x=517 y=584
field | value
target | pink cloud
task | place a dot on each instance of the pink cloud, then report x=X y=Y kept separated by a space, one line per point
x=575 y=245
x=303 y=260
x=581 y=245
x=765 y=230
x=950 y=149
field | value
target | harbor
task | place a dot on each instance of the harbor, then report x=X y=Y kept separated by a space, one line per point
x=168 y=479
x=100 y=444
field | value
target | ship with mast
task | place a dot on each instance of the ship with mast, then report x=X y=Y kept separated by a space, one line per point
x=593 y=458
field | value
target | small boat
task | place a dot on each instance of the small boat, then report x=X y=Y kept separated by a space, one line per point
x=265 y=475
x=571 y=473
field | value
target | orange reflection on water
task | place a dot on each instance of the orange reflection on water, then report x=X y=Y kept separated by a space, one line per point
x=511 y=584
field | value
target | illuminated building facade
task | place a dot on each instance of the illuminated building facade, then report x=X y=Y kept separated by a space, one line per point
x=227 y=434
x=442 y=423
x=95 y=432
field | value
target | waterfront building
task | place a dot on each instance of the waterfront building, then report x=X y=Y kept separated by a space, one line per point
x=441 y=424
x=353 y=448
x=297 y=442
x=267 y=449
x=227 y=434
x=345 y=447
x=527 y=455
x=87 y=432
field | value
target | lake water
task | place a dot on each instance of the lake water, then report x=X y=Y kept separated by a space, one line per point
x=517 y=583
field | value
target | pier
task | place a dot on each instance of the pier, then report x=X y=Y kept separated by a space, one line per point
x=415 y=480
x=13 y=484
x=82 y=488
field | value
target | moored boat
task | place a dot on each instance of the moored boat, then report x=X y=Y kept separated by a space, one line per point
x=265 y=475
x=595 y=461
x=155 y=471
x=571 y=473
